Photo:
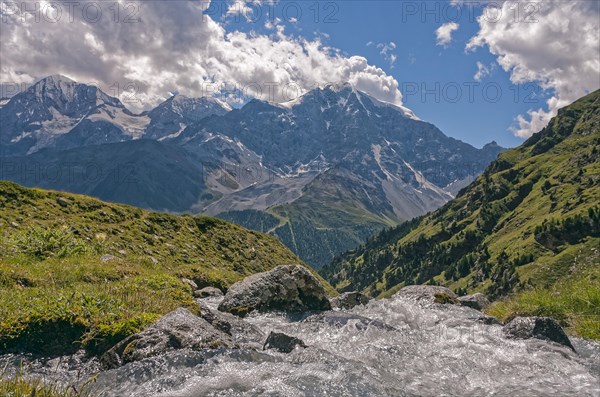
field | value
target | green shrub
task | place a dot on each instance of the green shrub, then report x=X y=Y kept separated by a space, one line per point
x=443 y=298
x=42 y=243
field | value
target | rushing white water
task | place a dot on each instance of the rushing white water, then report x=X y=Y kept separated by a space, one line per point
x=436 y=350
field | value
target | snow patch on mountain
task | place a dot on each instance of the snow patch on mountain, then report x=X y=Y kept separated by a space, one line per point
x=133 y=125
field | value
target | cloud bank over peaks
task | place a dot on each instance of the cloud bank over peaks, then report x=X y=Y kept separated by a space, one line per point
x=173 y=45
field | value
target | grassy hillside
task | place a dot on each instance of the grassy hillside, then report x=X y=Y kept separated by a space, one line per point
x=75 y=270
x=530 y=223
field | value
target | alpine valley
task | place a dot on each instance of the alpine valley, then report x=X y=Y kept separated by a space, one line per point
x=528 y=227
x=322 y=173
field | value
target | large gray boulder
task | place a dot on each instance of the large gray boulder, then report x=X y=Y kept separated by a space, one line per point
x=348 y=300
x=242 y=332
x=428 y=294
x=180 y=329
x=544 y=328
x=289 y=288
x=476 y=301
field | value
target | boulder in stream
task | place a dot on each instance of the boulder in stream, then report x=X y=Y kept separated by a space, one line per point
x=348 y=300
x=289 y=288
x=340 y=319
x=180 y=329
x=476 y=301
x=242 y=332
x=428 y=294
x=544 y=328
x=282 y=342
x=208 y=292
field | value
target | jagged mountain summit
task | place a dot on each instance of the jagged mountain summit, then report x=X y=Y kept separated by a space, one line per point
x=171 y=117
x=57 y=112
x=322 y=172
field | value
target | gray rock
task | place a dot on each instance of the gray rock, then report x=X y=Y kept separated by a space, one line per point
x=208 y=292
x=108 y=257
x=191 y=283
x=290 y=288
x=180 y=329
x=487 y=320
x=428 y=294
x=282 y=342
x=339 y=319
x=63 y=202
x=242 y=332
x=348 y=300
x=544 y=328
x=476 y=301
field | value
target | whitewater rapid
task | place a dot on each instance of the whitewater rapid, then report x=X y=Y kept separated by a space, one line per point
x=425 y=350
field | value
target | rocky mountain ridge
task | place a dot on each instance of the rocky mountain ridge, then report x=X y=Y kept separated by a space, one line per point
x=333 y=166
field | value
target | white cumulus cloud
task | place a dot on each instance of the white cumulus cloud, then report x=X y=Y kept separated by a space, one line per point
x=552 y=43
x=482 y=71
x=173 y=45
x=444 y=33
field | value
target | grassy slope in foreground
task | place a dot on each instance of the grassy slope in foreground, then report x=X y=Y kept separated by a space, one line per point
x=529 y=225
x=56 y=292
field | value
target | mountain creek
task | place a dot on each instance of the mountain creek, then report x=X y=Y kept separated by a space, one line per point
x=399 y=346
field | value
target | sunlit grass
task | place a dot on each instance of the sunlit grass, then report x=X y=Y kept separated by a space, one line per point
x=28 y=386
x=574 y=302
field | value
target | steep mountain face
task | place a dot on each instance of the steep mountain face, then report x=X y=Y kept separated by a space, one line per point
x=523 y=223
x=340 y=125
x=321 y=172
x=138 y=173
x=171 y=117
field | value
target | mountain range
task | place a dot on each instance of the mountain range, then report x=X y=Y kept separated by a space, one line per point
x=322 y=172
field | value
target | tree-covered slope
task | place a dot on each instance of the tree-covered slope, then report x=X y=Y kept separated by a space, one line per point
x=331 y=217
x=76 y=269
x=531 y=219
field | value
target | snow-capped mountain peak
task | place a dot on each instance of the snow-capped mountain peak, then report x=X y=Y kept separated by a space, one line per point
x=342 y=94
